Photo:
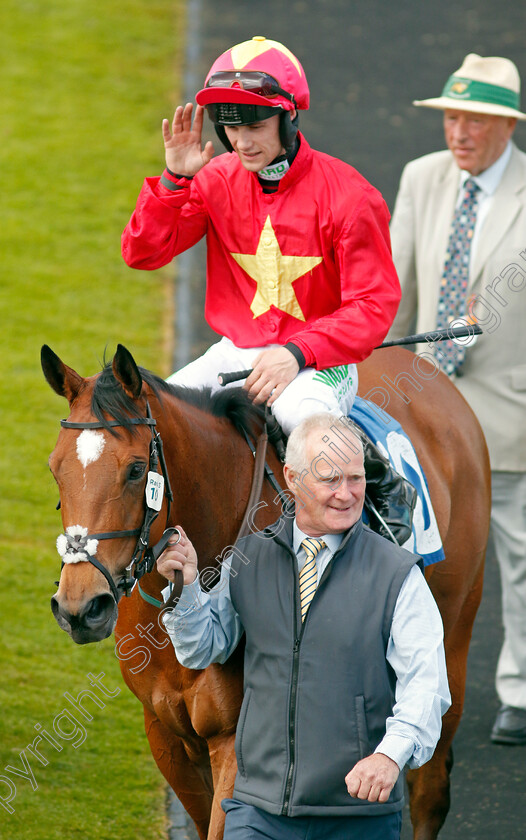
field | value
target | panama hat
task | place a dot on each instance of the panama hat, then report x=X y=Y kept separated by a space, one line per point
x=483 y=85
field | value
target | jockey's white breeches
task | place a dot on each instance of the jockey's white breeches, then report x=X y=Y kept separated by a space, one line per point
x=333 y=389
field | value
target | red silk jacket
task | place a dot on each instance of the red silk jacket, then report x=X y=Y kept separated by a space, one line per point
x=310 y=263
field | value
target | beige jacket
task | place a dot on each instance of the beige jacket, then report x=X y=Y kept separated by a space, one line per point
x=494 y=380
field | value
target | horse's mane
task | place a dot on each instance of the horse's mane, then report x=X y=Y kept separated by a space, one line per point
x=109 y=400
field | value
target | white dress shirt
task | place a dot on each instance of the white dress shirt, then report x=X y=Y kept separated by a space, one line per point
x=205 y=628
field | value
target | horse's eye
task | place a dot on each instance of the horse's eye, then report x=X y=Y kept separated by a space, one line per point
x=136 y=471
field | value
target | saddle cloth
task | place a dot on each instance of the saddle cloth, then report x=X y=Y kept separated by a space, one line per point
x=393 y=442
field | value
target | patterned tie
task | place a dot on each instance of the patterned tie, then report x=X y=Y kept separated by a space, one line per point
x=309 y=573
x=452 y=299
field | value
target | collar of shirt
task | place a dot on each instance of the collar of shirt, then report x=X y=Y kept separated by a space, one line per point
x=332 y=541
x=489 y=180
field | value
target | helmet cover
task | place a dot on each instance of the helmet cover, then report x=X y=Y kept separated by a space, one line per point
x=241 y=75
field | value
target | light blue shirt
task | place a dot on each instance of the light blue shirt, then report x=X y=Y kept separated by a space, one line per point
x=488 y=181
x=205 y=628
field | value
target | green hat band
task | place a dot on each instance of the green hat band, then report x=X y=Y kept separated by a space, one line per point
x=467 y=90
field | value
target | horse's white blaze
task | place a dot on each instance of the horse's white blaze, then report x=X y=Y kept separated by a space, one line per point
x=90 y=445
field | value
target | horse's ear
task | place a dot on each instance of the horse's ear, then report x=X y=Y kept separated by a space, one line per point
x=64 y=380
x=126 y=372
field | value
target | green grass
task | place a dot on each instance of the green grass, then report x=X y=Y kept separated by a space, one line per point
x=85 y=84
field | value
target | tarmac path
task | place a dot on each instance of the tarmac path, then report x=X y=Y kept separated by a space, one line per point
x=366 y=61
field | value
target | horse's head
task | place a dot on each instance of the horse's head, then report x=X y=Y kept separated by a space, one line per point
x=100 y=463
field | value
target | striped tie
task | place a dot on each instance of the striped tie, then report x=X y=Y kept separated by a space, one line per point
x=309 y=573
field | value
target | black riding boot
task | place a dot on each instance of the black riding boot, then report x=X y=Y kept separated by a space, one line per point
x=387 y=494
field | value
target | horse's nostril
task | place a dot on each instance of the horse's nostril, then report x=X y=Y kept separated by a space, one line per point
x=99 y=609
x=54 y=606
x=62 y=618
x=93 y=622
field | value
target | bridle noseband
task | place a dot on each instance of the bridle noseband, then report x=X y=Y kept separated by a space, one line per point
x=75 y=545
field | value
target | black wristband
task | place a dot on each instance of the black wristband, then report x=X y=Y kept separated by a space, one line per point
x=296 y=352
x=171 y=185
x=175 y=175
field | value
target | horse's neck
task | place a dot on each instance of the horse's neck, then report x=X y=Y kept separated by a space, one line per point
x=210 y=468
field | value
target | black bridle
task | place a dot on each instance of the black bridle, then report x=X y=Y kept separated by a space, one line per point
x=143 y=558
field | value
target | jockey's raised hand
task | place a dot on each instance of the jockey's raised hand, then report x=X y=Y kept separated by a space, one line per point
x=182 y=142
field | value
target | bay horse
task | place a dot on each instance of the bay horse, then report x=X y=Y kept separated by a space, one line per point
x=100 y=463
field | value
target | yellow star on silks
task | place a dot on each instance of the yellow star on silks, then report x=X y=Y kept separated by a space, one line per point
x=274 y=274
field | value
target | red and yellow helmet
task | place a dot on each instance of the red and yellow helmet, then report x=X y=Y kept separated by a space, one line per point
x=259 y=72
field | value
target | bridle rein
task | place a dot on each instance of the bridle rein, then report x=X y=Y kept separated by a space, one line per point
x=75 y=546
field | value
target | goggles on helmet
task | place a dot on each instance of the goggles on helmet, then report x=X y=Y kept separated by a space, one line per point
x=232 y=113
x=254 y=81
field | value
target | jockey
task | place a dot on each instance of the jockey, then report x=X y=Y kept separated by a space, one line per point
x=300 y=281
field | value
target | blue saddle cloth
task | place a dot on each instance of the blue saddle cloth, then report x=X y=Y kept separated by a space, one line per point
x=393 y=442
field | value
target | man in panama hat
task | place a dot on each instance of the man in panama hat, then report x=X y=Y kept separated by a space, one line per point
x=459 y=245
